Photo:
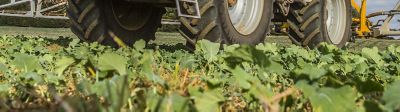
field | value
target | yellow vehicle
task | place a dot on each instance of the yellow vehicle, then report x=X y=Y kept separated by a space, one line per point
x=366 y=27
x=310 y=22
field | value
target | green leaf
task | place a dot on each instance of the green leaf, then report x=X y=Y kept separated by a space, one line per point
x=301 y=52
x=47 y=58
x=361 y=68
x=115 y=90
x=139 y=45
x=373 y=54
x=154 y=101
x=242 y=79
x=391 y=96
x=118 y=91
x=5 y=87
x=250 y=55
x=261 y=91
x=189 y=61
x=54 y=79
x=231 y=48
x=329 y=99
x=25 y=62
x=308 y=90
x=178 y=103
x=147 y=68
x=311 y=71
x=209 y=50
x=63 y=64
x=33 y=77
x=268 y=47
x=369 y=86
x=74 y=42
x=3 y=68
x=394 y=51
x=111 y=61
x=85 y=87
x=3 y=60
x=275 y=67
x=81 y=52
x=372 y=106
x=326 y=48
x=209 y=101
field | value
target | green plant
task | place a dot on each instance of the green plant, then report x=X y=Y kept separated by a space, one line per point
x=64 y=74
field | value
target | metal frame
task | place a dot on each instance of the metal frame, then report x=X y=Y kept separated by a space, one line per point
x=196 y=7
x=36 y=9
x=385 y=30
x=366 y=29
x=363 y=29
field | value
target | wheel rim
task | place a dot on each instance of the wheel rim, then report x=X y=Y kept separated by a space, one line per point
x=130 y=16
x=337 y=20
x=245 y=15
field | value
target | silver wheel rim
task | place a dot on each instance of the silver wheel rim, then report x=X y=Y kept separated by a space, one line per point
x=336 y=21
x=246 y=15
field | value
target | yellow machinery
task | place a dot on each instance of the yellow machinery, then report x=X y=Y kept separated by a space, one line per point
x=366 y=28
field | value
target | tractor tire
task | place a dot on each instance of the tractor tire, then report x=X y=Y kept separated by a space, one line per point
x=321 y=21
x=113 y=22
x=225 y=23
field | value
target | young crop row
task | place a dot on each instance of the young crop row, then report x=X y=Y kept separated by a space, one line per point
x=64 y=74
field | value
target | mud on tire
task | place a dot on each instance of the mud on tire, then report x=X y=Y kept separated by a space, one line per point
x=100 y=21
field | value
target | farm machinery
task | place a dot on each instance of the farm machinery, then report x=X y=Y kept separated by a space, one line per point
x=362 y=26
x=307 y=22
x=382 y=28
x=122 y=22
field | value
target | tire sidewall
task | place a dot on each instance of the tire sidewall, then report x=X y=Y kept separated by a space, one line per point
x=324 y=30
x=232 y=36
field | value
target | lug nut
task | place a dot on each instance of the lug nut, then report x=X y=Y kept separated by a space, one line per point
x=232 y=3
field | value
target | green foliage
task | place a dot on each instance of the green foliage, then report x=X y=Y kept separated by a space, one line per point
x=208 y=50
x=391 y=97
x=25 y=62
x=63 y=64
x=327 y=99
x=68 y=74
x=111 y=61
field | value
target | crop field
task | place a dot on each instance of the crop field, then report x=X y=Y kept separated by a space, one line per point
x=172 y=39
x=50 y=70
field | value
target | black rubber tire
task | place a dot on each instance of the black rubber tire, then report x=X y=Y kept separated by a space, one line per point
x=215 y=25
x=307 y=26
x=94 y=21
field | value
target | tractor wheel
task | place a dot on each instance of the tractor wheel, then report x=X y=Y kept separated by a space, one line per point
x=114 y=22
x=229 y=22
x=321 y=21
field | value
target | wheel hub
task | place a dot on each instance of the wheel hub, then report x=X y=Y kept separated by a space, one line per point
x=245 y=15
x=130 y=16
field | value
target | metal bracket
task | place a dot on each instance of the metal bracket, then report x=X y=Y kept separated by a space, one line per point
x=188 y=8
x=37 y=9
